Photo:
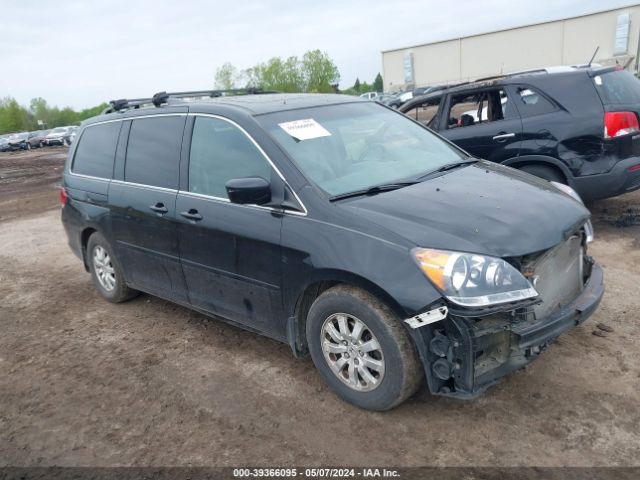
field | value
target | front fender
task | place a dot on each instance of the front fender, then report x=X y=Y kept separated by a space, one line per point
x=317 y=251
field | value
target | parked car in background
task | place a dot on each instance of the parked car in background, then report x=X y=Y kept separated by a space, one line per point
x=36 y=139
x=405 y=96
x=19 y=141
x=338 y=226
x=390 y=99
x=72 y=135
x=4 y=143
x=573 y=125
x=58 y=136
x=370 y=95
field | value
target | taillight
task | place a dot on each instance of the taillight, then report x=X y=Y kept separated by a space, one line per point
x=617 y=124
x=63 y=196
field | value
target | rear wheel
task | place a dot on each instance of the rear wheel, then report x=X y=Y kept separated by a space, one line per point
x=543 y=171
x=362 y=349
x=106 y=271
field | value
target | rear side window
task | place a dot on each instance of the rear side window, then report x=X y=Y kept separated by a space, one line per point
x=220 y=151
x=96 y=150
x=531 y=102
x=617 y=87
x=153 y=151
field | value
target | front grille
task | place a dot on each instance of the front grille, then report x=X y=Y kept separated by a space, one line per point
x=558 y=276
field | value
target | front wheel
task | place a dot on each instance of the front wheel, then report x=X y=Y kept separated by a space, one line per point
x=106 y=271
x=362 y=350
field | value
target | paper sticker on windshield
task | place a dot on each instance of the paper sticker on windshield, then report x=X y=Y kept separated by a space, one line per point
x=305 y=129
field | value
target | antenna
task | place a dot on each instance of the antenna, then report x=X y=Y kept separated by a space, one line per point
x=594 y=56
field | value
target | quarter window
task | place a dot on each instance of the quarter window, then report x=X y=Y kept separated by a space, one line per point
x=96 y=150
x=220 y=151
x=153 y=152
x=532 y=102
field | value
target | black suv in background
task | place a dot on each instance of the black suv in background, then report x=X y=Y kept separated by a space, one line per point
x=573 y=125
x=336 y=225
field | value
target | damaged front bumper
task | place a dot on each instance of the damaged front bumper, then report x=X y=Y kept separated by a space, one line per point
x=465 y=353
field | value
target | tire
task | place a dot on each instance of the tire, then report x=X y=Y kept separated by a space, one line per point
x=398 y=372
x=548 y=173
x=106 y=271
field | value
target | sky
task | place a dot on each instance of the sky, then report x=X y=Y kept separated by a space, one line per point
x=81 y=53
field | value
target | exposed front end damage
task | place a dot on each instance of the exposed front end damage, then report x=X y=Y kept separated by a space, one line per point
x=468 y=350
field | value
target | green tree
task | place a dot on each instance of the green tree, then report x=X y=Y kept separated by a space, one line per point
x=319 y=72
x=356 y=86
x=14 y=117
x=227 y=77
x=278 y=74
x=378 y=85
x=315 y=72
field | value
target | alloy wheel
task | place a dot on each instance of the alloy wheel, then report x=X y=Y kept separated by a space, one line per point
x=352 y=352
x=104 y=268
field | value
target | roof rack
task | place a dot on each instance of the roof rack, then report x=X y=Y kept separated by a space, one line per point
x=161 y=98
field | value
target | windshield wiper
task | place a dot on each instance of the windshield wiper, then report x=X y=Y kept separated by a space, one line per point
x=446 y=167
x=384 y=187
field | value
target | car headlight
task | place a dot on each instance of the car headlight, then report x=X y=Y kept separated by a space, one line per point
x=588 y=226
x=473 y=280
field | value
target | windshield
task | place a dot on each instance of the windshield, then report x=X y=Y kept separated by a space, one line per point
x=58 y=130
x=354 y=146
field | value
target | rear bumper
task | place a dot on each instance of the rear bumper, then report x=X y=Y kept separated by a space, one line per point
x=617 y=181
x=482 y=352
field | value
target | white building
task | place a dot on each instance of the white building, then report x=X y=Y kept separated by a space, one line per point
x=561 y=42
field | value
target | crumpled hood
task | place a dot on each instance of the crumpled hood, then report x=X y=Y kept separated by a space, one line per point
x=483 y=208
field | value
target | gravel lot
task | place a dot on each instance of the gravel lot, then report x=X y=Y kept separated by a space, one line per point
x=85 y=382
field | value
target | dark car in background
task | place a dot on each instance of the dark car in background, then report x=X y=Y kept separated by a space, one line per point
x=4 y=143
x=36 y=139
x=573 y=125
x=389 y=99
x=19 y=141
x=338 y=226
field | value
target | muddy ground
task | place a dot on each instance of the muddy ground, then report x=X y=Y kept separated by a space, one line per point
x=85 y=382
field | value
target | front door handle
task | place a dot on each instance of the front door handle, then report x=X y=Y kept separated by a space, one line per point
x=192 y=214
x=502 y=136
x=159 y=208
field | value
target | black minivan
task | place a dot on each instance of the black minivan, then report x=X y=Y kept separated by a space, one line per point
x=337 y=225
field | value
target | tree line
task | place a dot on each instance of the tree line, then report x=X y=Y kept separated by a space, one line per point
x=18 y=118
x=315 y=72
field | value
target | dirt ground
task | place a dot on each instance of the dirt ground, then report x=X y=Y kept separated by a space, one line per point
x=85 y=382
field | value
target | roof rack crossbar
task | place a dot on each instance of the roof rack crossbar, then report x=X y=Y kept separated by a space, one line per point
x=126 y=104
x=161 y=98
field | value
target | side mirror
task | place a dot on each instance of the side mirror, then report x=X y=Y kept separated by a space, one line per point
x=251 y=190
